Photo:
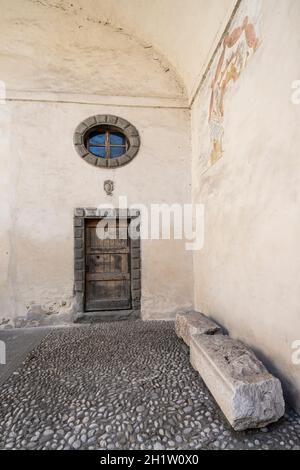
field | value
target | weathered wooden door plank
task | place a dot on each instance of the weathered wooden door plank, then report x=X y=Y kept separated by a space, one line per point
x=108 y=283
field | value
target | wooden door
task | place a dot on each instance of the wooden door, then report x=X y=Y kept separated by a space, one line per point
x=107 y=270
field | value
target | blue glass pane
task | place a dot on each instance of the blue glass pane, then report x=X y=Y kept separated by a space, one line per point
x=98 y=151
x=117 y=139
x=97 y=138
x=117 y=151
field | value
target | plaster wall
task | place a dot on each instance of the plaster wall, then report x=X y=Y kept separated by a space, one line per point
x=62 y=62
x=247 y=276
x=46 y=180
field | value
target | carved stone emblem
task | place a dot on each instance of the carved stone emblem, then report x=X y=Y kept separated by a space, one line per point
x=109 y=187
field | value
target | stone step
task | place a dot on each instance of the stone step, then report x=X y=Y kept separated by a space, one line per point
x=106 y=316
x=191 y=323
x=248 y=395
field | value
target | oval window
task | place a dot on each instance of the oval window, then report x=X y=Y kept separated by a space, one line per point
x=106 y=141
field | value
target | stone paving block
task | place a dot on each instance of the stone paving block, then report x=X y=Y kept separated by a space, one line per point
x=249 y=396
x=188 y=324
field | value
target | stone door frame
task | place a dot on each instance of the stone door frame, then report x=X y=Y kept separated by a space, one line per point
x=80 y=215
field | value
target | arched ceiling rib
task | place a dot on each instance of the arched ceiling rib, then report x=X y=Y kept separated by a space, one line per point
x=184 y=31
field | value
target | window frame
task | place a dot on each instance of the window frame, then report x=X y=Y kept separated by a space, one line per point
x=113 y=123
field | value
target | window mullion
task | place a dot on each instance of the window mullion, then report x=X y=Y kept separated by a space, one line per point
x=107 y=146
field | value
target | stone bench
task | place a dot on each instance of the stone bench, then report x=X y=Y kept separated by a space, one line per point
x=248 y=395
x=188 y=324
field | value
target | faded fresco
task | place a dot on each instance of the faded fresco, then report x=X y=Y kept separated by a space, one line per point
x=238 y=46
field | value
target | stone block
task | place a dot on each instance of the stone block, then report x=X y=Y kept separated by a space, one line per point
x=78 y=253
x=135 y=141
x=136 y=253
x=136 y=284
x=78 y=138
x=78 y=265
x=136 y=243
x=89 y=158
x=131 y=153
x=111 y=119
x=248 y=395
x=90 y=122
x=81 y=129
x=100 y=118
x=124 y=159
x=78 y=243
x=79 y=275
x=78 y=232
x=79 y=286
x=136 y=274
x=188 y=324
x=136 y=264
x=101 y=162
x=91 y=212
x=78 y=222
x=131 y=131
x=136 y=304
x=79 y=212
x=81 y=150
x=113 y=163
x=122 y=123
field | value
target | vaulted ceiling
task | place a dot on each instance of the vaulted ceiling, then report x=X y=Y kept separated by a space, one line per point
x=184 y=31
x=153 y=48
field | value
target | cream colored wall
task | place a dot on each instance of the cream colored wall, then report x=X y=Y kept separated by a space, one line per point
x=6 y=191
x=48 y=180
x=52 y=55
x=61 y=63
x=247 y=277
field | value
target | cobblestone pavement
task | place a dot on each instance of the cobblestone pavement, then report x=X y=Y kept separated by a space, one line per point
x=120 y=386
